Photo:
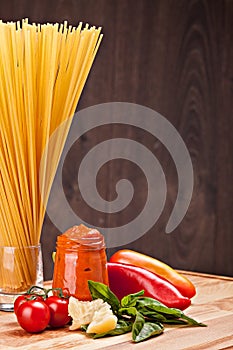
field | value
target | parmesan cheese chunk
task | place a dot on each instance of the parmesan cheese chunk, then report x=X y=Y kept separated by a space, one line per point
x=97 y=314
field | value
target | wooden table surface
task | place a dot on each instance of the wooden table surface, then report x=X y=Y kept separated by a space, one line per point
x=212 y=305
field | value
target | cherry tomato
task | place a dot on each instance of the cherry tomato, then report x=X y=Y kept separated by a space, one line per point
x=20 y=300
x=25 y=297
x=33 y=316
x=58 y=308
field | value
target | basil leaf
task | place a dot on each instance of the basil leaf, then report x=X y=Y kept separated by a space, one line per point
x=170 y=314
x=137 y=325
x=152 y=315
x=129 y=311
x=122 y=327
x=143 y=330
x=131 y=299
x=155 y=305
x=101 y=291
x=149 y=330
x=191 y=322
x=175 y=321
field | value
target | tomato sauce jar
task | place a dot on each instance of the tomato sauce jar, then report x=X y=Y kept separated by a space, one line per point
x=80 y=256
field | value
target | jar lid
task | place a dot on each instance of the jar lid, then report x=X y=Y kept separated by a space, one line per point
x=89 y=238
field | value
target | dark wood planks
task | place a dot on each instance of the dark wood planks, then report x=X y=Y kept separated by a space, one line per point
x=176 y=58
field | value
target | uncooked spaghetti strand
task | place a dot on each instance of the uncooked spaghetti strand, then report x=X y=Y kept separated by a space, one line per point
x=29 y=96
x=11 y=214
x=11 y=208
x=68 y=49
x=52 y=163
x=88 y=58
x=51 y=166
x=85 y=72
x=43 y=169
x=12 y=124
x=5 y=237
x=20 y=125
x=16 y=207
x=43 y=69
x=51 y=82
x=11 y=179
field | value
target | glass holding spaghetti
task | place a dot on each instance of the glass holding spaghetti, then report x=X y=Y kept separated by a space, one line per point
x=15 y=279
x=43 y=69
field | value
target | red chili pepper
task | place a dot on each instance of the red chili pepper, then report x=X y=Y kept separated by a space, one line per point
x=126 y=256
x=127 y=279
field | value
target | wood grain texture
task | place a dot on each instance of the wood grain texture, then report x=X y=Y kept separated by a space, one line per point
x=212 y=305
x=176 y=58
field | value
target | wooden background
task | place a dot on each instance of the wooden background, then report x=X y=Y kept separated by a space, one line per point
x=176 y=57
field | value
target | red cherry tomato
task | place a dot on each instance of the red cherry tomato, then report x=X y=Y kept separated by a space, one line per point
x=58 y=308
x=25 y=297
x=33 y=316
x=20 y=300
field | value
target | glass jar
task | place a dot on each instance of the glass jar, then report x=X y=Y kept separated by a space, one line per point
x=80 y=256
x=20 y=268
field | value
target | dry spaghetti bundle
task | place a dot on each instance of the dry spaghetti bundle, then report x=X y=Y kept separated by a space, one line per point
x=43 y=69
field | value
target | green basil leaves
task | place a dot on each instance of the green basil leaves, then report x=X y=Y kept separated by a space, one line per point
x=142 y=329
x=144 y=316
x=101 y=291
x=153 y=309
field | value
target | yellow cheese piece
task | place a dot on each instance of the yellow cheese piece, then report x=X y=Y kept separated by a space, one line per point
x=97 y=314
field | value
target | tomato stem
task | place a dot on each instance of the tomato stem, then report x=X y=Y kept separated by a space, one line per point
x=59 y=293
x=34 y=290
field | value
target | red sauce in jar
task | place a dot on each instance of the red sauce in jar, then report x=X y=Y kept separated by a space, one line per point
x=80 y=257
